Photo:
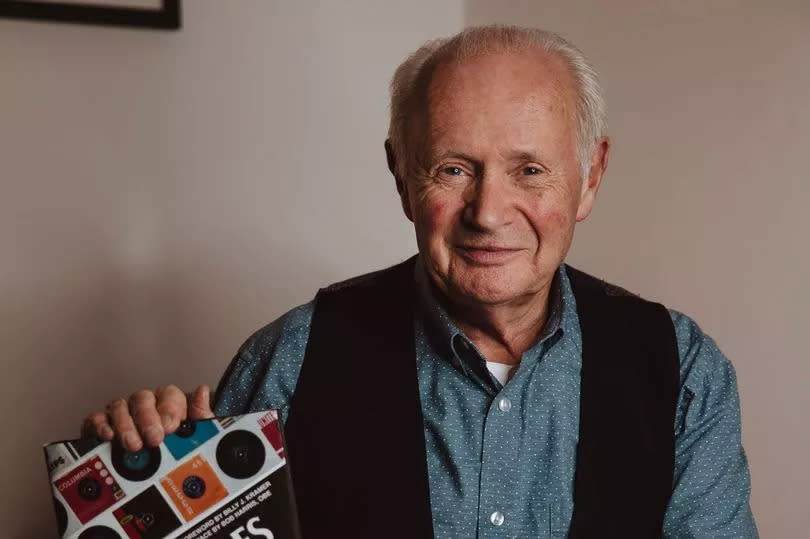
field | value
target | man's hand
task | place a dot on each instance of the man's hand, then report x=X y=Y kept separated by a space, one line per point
x=148 y=416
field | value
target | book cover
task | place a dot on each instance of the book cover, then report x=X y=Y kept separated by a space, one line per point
x=226 y=478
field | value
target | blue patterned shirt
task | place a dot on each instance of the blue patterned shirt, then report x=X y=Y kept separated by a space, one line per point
x=501 y=458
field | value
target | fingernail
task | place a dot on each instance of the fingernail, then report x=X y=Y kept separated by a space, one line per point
x=167 y=422
x=131 y=441
x=154 y=434
x=107 y=433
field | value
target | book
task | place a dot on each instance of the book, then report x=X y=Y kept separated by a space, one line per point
x=226 y=477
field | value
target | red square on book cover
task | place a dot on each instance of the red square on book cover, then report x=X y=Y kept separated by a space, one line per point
x=272 y=431
x=89 y=489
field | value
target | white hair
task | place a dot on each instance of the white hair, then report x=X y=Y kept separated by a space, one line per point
x=413 y=75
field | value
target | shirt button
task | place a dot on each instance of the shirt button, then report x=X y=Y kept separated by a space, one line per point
x=505 y=404
x=496 y=518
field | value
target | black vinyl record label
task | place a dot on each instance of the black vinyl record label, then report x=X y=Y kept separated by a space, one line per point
x=138 y=465
x=186 y=428
x=240 y=454
x=99 y=532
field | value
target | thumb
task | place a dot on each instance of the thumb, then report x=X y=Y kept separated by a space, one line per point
x=199 y=405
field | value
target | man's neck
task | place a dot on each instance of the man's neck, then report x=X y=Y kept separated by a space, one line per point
x=502 y=332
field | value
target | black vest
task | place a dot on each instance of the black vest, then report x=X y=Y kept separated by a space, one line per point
x=355 y=432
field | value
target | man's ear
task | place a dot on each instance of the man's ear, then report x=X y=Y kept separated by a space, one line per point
x=590 y=185
x=402 y=189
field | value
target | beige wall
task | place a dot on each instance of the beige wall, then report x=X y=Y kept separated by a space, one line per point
x=162 y=195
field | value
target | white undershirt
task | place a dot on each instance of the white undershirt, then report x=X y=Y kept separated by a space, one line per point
x=501 y=371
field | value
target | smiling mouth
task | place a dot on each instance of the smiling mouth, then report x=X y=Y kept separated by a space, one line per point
x=486 y=255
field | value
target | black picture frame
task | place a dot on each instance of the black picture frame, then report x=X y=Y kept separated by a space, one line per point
x=167 y=17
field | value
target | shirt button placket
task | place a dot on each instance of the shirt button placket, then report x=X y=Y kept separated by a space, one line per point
x=497 y=468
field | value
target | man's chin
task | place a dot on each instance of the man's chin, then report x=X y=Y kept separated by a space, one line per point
x=490 y=294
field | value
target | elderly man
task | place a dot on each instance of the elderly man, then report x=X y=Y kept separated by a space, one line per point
x=484 y=388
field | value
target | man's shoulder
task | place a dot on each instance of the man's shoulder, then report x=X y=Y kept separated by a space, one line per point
x=597 y=283
x=294 y=325
x=365 y=279
x=702 y=361
x=700 y=357
x=264 y=371
x=291 y=328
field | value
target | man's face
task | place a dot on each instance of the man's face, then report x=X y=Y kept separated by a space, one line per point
x=494 y=184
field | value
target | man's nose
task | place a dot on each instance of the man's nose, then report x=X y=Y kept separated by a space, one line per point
x=489 y=204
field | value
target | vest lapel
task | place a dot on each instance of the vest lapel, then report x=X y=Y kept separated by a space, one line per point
x=355 y=431
x=630 y=381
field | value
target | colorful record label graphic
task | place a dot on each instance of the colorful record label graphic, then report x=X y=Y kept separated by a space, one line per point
x=271 y=428
x=89 y=489
x=240 y=454
x=193 y=487
x=137 y=465
x=189 y=436
x=147 y=516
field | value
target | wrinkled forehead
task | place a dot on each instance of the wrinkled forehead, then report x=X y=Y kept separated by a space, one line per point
x=533 y=84
x=526 y=70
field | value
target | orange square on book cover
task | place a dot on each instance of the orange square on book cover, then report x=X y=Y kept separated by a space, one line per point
x=193 y=487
